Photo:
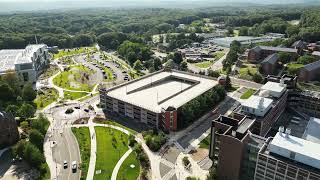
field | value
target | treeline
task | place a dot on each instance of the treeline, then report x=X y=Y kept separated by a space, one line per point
x=200 y=105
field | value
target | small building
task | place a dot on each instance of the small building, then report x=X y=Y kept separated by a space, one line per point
x=299 y=45
x=309 y=72
x=9 y=134
x=258 y=53
x=269 y=64
x=29 y=63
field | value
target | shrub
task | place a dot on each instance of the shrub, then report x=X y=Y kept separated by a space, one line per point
x=131 y=140
x=185 y=161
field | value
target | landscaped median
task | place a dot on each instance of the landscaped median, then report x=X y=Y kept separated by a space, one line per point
x=83 y=137
x=46 y=97
x=75 y=78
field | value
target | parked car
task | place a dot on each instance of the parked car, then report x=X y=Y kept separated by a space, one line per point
x=74 y=166
x=65 y=164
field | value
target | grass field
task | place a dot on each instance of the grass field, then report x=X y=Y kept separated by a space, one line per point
x=203 y=64
x=75 y=78
x=205 y=143
x=217 y=55
x=73 y=95
x=247 y=94
x=46 y=97
x=111 y=145
x=128 y=173
x=115 y=124
x=247 y=71
x=69 y=52
x=83 y=137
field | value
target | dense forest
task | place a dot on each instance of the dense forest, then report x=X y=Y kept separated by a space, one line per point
x=111 y=28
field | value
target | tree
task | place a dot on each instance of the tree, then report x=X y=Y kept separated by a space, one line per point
x=137 y=65
x=257 y=78
x=157 y=64
x=228 y=83
x=243 y=31
x=28 y=94
x=184 y=66
x=177 y=57
x=169 y=64
x=306 y=59
x=26 y=111
x=284 y=57
x=13 y=109
x=6 y=92
x=33 y=155
x=212 y=73
x=36 y=138
x=40 y=123
x=13 y=80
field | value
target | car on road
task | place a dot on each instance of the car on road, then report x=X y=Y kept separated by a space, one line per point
x=65 y=164
x=74 y=166
x=77 y=107
x=86 y=110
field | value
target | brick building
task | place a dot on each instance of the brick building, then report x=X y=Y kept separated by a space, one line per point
x=309 y=72
x=258 y=53
x=270 y=64
x=8 y=130
x=155 y=99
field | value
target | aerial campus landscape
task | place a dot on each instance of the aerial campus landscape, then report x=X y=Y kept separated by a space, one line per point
x=159 y=90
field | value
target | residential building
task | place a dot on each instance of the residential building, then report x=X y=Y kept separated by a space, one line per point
x=299 y=45
x=258 y=53
x=269 y=64
x=29 y=63
x=307 y=102
x=166 y=92
x=8 y=130
x=309 y=72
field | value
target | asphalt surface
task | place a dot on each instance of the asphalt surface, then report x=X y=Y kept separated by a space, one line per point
x=98 y=73
x=66 y=146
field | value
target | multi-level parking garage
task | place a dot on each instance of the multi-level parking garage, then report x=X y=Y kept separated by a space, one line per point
x=155 y=99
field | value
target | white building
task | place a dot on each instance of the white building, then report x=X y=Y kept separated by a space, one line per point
x=274 y=89
x=257 y=105
x=28 y=63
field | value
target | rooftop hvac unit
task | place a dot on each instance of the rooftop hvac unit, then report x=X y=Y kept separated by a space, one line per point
x=233 y=133
x=288 y=131
x=281 y=129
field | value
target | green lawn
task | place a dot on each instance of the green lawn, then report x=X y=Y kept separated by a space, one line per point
x=128 y=173
x=247 y=71
x=75 y=78
x=247 y=94
x=111 y=145
x=68 y=52
x=217 y=55
x=83 y=137
x=309 y=86
x=73 y=95
x=115 y=124
x=203 y=64
x=46 y=97
x=205 y=143
x=293 y=68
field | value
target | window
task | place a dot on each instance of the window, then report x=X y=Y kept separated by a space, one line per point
x=25 y=76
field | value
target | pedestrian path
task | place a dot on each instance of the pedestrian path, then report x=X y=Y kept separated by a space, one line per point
x=119 y=163
x=93 y=152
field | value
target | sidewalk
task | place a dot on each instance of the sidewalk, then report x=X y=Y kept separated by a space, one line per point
x=93 y=152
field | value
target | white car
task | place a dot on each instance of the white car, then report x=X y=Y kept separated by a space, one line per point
x=74 y=166
x=65 y=164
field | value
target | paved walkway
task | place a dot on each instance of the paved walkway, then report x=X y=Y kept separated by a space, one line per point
x=93 y=152
x=119 y=163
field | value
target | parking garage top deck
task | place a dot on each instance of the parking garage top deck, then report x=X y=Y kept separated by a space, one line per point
x=162 y=89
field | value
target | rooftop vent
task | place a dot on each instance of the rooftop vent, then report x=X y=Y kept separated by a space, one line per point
x=281 y=82
x=261 y=103
x=281 y=129
x=233 y=133
x=288 y=132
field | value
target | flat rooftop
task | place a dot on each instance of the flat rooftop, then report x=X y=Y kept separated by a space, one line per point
x=10 y=57
x=162 y=90
x=257 y=102
x=274 y=87
x=297 y=149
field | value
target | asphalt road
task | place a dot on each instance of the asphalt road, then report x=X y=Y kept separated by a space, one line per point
x=66 y=146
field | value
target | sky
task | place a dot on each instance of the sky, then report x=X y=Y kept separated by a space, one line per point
x=32 y=5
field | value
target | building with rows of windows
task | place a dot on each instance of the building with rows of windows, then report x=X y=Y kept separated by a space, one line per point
x=29 y=63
